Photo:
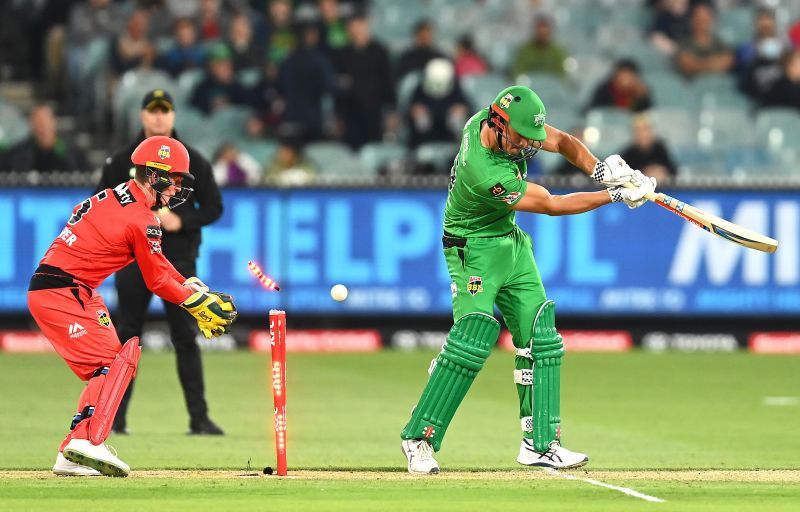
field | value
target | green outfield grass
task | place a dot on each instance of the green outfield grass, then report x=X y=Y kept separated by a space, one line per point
x=633 y=411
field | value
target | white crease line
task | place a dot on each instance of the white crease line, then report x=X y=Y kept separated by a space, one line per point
x=625 y=490
x=780 y=401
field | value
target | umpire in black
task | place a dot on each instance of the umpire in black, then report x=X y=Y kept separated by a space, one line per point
x=180 y=244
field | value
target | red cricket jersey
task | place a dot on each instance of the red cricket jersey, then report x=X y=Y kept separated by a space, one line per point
x=106 y=233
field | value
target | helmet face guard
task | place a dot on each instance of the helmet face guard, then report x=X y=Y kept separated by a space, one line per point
x=161 y=179
x=500 y=123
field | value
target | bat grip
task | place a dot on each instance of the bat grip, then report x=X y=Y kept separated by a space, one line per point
x=650 y=196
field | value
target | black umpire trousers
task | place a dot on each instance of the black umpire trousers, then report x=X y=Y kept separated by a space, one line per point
x=133 y=301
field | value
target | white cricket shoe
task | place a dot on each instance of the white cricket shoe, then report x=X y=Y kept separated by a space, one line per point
x=83 y=452
x=556 y=456
x=420 y=456
x=64 y=467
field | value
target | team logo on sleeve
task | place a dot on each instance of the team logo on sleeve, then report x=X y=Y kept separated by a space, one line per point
x=512 y=197
x=497 y=190
x=475 y=285
x=163 y=152
x=155 y=246
x=102 y=317
x=154 y=232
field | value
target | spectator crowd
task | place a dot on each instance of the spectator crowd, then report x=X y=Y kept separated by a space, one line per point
x=317 y=72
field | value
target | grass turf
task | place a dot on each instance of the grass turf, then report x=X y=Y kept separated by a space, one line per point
x=632 y=411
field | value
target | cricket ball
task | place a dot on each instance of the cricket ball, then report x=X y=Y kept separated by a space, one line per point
x=339 y=292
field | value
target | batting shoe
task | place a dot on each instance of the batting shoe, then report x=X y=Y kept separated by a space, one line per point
x=420 y=456
x=64 y=467
x=97 y=456
x=556 y=456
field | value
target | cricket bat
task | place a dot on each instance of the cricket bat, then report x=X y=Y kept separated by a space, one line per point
x=713 y=224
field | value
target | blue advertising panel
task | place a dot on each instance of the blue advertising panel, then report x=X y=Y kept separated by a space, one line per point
x=385 y=246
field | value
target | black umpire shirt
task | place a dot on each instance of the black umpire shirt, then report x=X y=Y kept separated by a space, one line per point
x=203 y=207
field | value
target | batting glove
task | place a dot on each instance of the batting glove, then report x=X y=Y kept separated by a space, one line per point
x=612 y=172
x=633 y=196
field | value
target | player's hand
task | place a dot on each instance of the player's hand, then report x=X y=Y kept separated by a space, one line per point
x=633 y=195
x=214 y=312
x=195 y=284
x=612 y=172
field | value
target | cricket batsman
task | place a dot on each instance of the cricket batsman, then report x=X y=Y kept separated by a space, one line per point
x=104 y=234
x=490 y=261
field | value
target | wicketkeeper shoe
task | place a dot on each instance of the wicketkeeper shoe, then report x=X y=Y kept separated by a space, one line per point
x=556 y=456
x=83 y=452
x=420 y=456
x=64 y=467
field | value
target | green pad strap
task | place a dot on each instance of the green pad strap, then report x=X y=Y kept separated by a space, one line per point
x=547 y=349
x=468 y=345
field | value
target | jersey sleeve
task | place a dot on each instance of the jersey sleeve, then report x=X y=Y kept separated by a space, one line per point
x=159 y=275
x=502 y=191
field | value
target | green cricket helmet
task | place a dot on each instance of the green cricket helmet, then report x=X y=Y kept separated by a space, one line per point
x=521 y=108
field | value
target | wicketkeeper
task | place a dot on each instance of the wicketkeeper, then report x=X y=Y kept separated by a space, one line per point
x=104 y=234
x=490 y=261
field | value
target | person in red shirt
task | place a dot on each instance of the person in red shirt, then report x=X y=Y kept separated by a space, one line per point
x=104 y=234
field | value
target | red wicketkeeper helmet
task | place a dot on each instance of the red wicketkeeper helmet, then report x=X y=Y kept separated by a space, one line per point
x=164 y=159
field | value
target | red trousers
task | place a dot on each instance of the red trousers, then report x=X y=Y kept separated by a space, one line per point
x=77 y=323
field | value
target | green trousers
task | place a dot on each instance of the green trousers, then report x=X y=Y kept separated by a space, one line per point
x=502 y=271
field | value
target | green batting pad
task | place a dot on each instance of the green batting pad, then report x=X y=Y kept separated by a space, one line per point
x=547 y=350
x=468 y=345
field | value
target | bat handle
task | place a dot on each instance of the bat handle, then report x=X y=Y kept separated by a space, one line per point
x=650 y=196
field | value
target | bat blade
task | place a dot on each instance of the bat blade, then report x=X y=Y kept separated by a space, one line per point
x=713 y=224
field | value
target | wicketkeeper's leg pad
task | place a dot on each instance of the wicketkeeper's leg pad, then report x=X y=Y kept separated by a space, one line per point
x=468 y=345
x=97 y=417
x=538 y=379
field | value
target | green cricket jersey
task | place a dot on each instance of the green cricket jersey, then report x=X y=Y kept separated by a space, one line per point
x=483 y=187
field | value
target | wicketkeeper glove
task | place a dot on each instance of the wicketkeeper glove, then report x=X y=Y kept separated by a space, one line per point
x=214 y=312
x=633 y=196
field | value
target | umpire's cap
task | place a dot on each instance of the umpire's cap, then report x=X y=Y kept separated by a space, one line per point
x=157 y=98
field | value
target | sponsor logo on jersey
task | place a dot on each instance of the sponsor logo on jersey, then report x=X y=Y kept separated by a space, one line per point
x=513 y=196
x=497 y=190
x=102 y=317
x=153 y=232
x=123 y=195
x=475 y=285
x=155 y=246
x=538 y=119
x=506 y=100
x=163 y=152
x=76 y=330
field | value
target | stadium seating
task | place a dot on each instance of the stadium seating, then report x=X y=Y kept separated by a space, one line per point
x=482 y=89
x=375 y=156
x=677 y=127
x=263 y=151
x=551 y=89
x=131 y=89
x=439 y=155
x=777 y=131
x=333 y=159
x=13 y=126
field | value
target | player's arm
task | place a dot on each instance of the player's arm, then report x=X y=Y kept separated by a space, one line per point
x=538 y=199
x=611 y=172
x=570 y=148
x=159 y=275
